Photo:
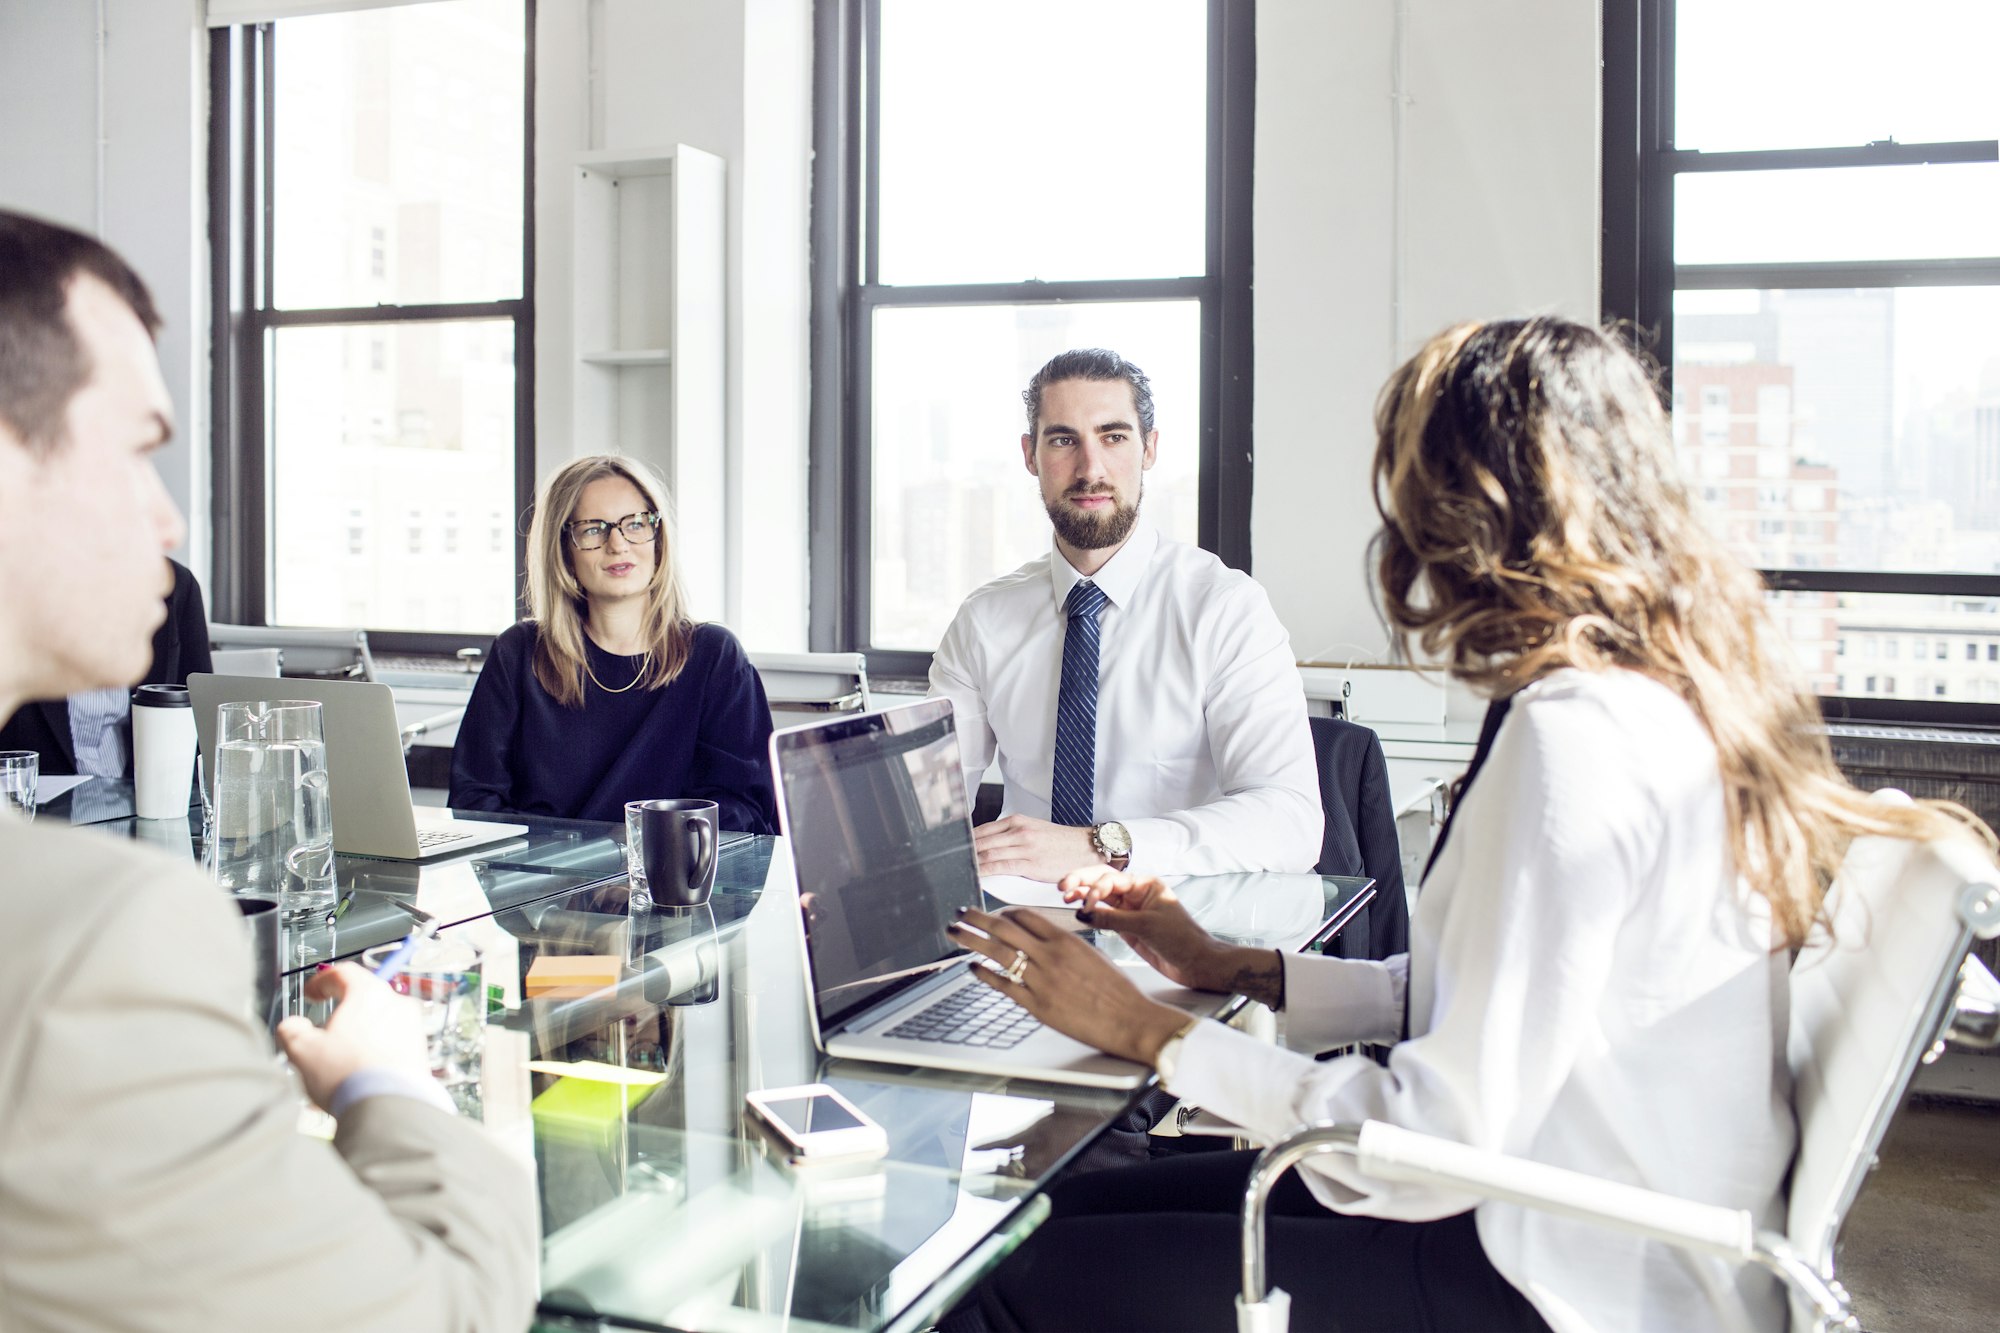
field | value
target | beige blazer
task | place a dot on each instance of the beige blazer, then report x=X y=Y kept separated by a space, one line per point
x=151 y=1171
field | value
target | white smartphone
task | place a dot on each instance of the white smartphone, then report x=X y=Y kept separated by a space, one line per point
x=815 y=1122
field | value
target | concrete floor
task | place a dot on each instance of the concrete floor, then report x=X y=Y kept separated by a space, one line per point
x=1921 y=1249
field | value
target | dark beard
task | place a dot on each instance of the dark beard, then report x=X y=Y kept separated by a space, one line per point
x=1094 y=532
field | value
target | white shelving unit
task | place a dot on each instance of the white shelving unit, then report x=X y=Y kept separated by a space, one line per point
x=650 y=334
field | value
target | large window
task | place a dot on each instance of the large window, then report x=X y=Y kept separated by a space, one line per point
x=373 y=340
x=1803 y=208
x=1082 y=181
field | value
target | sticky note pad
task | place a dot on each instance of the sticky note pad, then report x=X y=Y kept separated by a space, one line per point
x=584 y=1111
x=564 y=978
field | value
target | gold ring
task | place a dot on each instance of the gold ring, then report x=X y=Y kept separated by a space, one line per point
x=1018 y=968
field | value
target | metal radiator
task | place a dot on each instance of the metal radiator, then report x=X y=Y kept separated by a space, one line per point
x=1941 y=763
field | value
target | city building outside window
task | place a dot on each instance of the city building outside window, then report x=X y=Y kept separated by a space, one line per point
x=1798 y=212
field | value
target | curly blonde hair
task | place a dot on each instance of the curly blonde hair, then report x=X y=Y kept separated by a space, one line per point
x=1533 y=519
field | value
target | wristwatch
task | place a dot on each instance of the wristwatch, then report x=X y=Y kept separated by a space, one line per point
x=1113 y=843
x=1170 y=1050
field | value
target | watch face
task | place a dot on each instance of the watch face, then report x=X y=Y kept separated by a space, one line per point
x=1116 y=841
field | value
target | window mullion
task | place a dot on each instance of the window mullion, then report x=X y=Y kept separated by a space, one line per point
x=1035 y=293
x=443 y=312
x=1887 y=153
x=1838 y=274
x=1881 y=581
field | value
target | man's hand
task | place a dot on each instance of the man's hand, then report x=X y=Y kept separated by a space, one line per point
x=372 y=1027
x=1148 y=916
x=1067 y=984
x=1032 y=848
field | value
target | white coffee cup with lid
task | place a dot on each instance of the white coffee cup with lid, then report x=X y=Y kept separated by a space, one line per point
x=162 y=751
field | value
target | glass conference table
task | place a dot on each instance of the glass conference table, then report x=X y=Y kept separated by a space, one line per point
x=662 y=1206
x=381 y=900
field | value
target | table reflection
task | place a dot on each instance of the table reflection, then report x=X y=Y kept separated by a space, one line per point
x=619 y=1054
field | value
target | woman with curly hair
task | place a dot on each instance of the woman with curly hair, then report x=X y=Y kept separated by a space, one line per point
x=1597 y=967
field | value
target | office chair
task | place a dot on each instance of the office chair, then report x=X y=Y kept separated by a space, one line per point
x=269 y=662
x=309 y=652
x=1419 y=821
x=1361 y=836
x=804 y=687
x=1893 y=983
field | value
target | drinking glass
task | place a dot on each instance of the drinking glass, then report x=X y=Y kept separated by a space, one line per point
x=19 y=772
x=273 y=819
x=443 y=976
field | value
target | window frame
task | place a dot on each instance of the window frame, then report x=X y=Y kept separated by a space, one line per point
x=242 y=65
x=845 y=296
x=1639 y=278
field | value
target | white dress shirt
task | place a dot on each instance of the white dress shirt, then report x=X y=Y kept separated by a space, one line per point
x=1590 y=985
x=1203 y=751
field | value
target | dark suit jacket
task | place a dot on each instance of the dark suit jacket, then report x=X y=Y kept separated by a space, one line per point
x=1361 y=826
x=179 y=647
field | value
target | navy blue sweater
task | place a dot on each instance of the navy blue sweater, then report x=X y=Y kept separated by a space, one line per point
x=704 y=736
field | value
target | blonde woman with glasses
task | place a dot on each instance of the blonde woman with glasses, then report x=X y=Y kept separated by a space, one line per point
x=611 y=693
x=1596 y=976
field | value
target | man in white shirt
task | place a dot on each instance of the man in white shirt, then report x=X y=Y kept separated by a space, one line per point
x=1141 y=696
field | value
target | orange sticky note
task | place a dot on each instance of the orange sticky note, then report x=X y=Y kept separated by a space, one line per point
x=571 y=976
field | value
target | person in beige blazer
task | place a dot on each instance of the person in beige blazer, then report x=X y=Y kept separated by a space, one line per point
x=151 y=1172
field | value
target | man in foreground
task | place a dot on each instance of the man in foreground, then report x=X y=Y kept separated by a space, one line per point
x=151 y=1172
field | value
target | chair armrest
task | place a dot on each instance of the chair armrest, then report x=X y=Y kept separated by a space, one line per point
x=424 y=726
x=1392 y=1153
x=1975 y=1015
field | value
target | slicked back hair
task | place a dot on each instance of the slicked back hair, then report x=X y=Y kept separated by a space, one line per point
x=42 y=361
x=1090 y=363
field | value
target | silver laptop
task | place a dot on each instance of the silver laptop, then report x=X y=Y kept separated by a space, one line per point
x=367 y=784
x=881 y=837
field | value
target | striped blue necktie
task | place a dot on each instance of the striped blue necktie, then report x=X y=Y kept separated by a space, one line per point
x=1071 y=798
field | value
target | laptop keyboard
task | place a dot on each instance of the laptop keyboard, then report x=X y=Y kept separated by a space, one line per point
x=974 y=1015
x=440 y=837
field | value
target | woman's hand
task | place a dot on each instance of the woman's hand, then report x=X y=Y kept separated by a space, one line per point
x=1148 y=916
x=1067 y=984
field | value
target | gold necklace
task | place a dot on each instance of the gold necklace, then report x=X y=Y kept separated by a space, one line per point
x=637 y=677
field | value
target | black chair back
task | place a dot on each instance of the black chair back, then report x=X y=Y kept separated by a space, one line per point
x=1360 y=834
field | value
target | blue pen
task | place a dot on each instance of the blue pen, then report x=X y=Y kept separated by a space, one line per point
x=392 y=967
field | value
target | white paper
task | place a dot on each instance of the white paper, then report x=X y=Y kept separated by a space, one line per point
x=49 y=788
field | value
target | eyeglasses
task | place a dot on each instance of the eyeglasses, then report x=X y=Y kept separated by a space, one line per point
x=591 y=533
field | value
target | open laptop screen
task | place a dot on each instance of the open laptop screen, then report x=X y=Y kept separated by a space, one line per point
x=882 y=839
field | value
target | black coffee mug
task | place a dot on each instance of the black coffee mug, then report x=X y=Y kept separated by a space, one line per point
x=670 y=852
x=260 y=916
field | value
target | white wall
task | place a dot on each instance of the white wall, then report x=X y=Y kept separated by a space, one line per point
x=153 y=204
x=1493 y=213
x=732 y=77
